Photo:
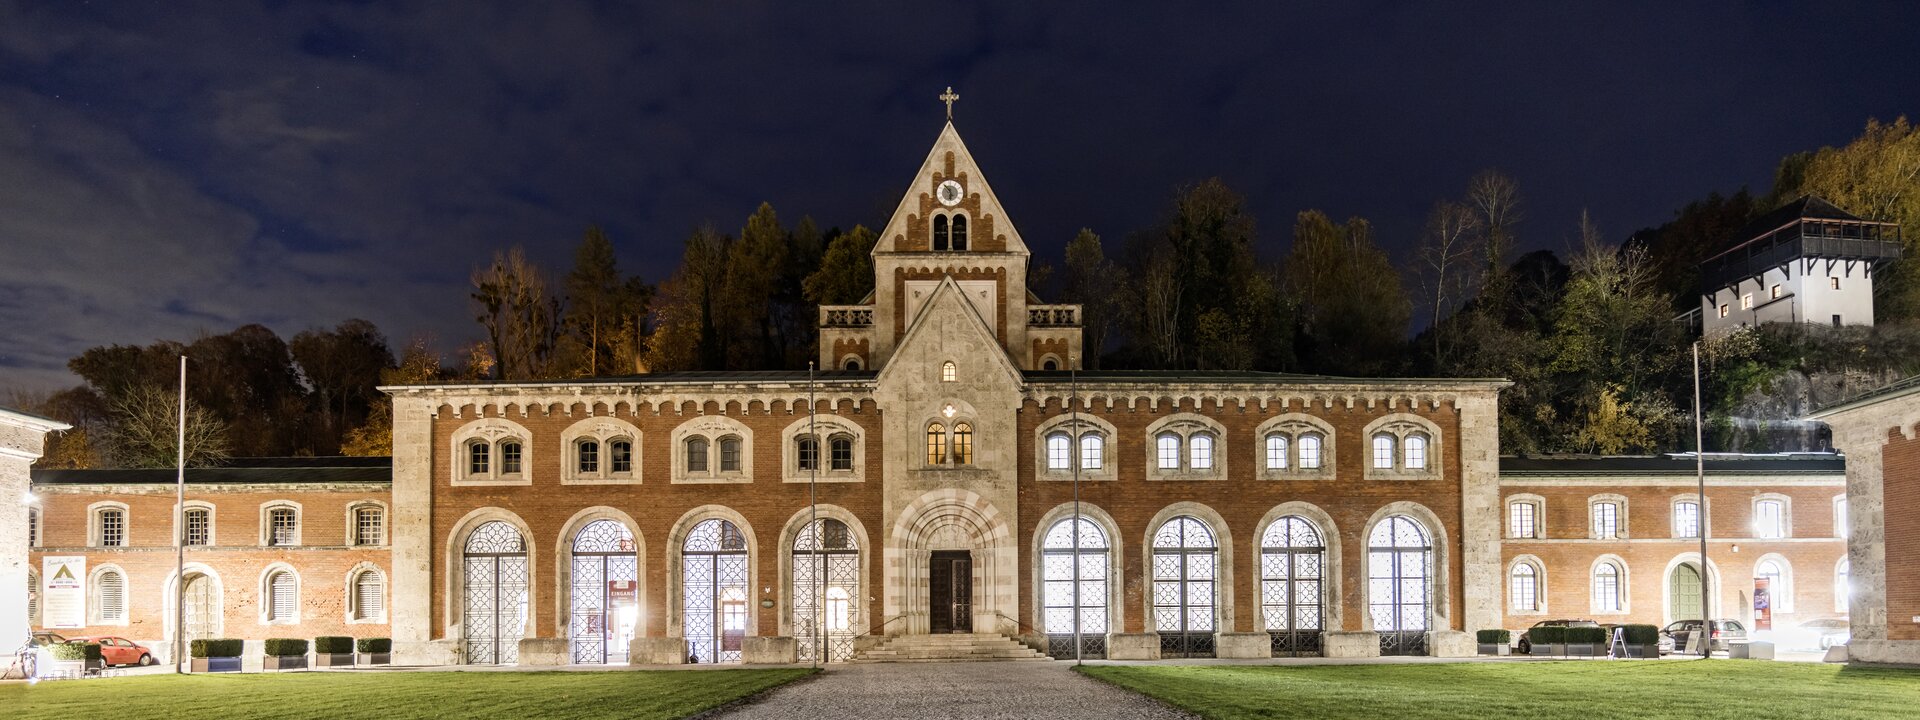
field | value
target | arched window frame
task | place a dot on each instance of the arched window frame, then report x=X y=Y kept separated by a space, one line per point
x=96 y=599
x=193 y=506
x=384 y=522
x=1782 y=594
x=354 y=613
x=1438 y=574
x=1397 y=428
x=961 y=446
x=949 y=372
x=826 y=428
x=267 y=616
x=1512 y=519
x=1295 y=428
x=493 y=433
x=1540 y=585
x=1187 y=426
x=1843 y=585
x=937 y=453
x=1112 y=549
x=1840 y=527
x=1623 y=595
x=1784 y=529
x=850 y=361
x=96 y=523
x=1619 y=503
x=267 y=537
x=676 y=562
x=942 y=236
x=603 y=431
x=1703 y=515
x=1077 y=429
x=716 y=430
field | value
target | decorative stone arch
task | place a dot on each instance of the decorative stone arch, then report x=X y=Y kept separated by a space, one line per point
x=563 y=564
x=265 y=611
x=1620 y=524
x=850 y=361
x=1786 y=513
x=1401 y=427
x=1714 y=593
x=1439 y=570
x=351 y=599
x=218 y=612
x=953 y=519
x=1540 y=595
x=1223 y=567
x=1625 y=589
x=1293 y=426
x=1186 y=425
x=603 y=430
x=862 y=624
x=713 y=429
x=1782 y=597
x=94 y=601
x=452 y=595
x=1332 y=599
x=1116 y=563
x=491 y=431
x=1507 y=529
x=1075 y=429
x=826 y=426
x=676 y=544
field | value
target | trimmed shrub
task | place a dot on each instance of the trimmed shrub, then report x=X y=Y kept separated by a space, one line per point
x=285 y=647
x=1642 y=635
x=333 y=644
x=76 y=651
x=1547 y=635
x=220 y=648
x=375 y=645
x=1586 y=636
x=1495 y=637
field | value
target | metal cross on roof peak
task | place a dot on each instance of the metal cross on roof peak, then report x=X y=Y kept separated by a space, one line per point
x=948 y=97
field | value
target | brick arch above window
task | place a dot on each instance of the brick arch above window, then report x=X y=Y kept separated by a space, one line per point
x=603 y=432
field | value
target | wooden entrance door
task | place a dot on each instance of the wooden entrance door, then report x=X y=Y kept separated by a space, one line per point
x=950 y=592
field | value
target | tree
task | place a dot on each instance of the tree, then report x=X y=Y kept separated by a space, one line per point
x=754 y=267
x=1444 y=265
x=845 y=274
x=601 y=308
x=1353 y=311
x=418 y=364
x=1612 y=346
x=342 y=366
x=1698 y=231
x=1199 y=262
x=1092 y=280
x=145 y=431
x=1495 y=200
x=1877 y=176
x=520 y=317
x=247 y=379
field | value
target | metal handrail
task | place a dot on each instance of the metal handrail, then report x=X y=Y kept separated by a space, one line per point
x=882 y=625
x=1019 y=624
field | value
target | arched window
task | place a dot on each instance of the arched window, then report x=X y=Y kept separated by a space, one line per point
x=1292 y=569
x=1200 y=451
x=605 y=593
x=826 y=562
x=1778 y=593
x=1074 y=587
x=696 y=455
x=1399 y=584
x=479 y=458
x=1049 y=364
x=1059 y=451
x=1276 y=452
x=936 y=444
x=620 y=456
x=1309 y=452
x=369 y=596
x=494 y=561
x=941 y=242
x=1840 y=528
x=588 y=453
x=729 y=454
x=111 y=598
x=1383 y=451
x=1523 y=589
x=962 y=444
x=283 y=527
x=1092 y=451
x=1185 y=559
x=510 y=457
x=369 y=525
x=1686 y=519
x=1168 y=445
x=1842 y=589
x=714 y=576
x=853 y=364
x=199 y=530
x=1606 y=588
x=1770 y=519
x=841 y=452
x=807 y=452
x=1416 y=452
x=283 y=601
x=959 y=233
x=947 y=372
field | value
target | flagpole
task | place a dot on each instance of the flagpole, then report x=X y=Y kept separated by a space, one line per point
x=1073 y=409
x=180 y=529
x=813 y=526
x=1700 y=478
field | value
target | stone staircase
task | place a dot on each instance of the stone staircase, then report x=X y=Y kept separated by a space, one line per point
x=949 y=648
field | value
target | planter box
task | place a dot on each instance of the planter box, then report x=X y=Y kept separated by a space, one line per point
x=1582 y=649
x=214 y=665
x=333 y=659
x=72 y=668
x=1495 y=649
x=376 y=658
x=289 y=662
x=1538 y=650
x=1644 y=651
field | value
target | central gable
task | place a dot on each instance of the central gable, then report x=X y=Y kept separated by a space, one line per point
x=948 y=328
x=911 y=227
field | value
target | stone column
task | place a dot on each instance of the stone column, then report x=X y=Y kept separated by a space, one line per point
x=1861 y=441
x=413 y=546
x=1479 y=520
x=22 y=438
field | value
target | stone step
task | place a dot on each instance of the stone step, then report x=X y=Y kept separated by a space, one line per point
x=950 y=648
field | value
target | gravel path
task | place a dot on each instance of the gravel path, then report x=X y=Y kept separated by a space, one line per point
x=926 y=691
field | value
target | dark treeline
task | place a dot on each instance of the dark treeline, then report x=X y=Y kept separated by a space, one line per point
x=1587 y=335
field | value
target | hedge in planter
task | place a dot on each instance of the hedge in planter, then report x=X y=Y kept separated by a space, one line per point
x=71 y=651
x=1643 y=641
x=332 y=650
x=285 y=653
x=216 y=655
x=1586 y=641
x=376 y=650
x=1495 y=642
x=1547 y=640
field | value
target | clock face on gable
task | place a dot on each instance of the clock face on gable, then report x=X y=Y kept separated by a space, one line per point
x=949 y=193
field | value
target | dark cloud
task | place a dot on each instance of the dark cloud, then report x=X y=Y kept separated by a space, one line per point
x=167 y=168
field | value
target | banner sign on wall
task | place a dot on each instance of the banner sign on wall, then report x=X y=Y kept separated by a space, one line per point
x=63 y=598
x=1762 y=605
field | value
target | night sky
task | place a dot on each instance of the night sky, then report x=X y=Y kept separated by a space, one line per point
x=169 y=168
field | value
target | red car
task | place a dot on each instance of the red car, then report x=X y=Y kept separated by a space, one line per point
x=120 y=651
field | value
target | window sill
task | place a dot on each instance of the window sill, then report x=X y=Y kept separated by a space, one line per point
x=1085 y=476
x=379 y=621
x=825 y=476
x=722 y=479
x=1398 y=475
x=1187 y=475
x=627 y=479
x=1309 y=475
x=492 y=482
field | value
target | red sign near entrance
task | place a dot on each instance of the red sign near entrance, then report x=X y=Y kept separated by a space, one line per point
x=1762 y=605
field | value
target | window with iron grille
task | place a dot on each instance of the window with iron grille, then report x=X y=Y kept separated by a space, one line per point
x=113 y=527
x=199 y=526
x=281 y=597
x=369 y=526
x=284 y=527
x=33 y=527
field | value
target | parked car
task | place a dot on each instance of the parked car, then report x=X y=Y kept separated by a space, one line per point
x=1818 y=634
x=1526 y=638
x=116 y=650
x=44 y=639
x=1725 y=632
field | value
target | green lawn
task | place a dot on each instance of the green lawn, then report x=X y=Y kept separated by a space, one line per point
x=1591 y=690
x=598 y=695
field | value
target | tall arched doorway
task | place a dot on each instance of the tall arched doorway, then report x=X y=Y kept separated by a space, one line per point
x=606 y=598
x=1683 y=592
x=713 y=567
x=1293 y=560
x=494 y=615
x=1074 y=557
x=826 y=579
x=1399 y=584
x=203 y=607
x=1185 y=565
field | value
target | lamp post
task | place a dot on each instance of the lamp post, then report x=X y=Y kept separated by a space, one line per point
x=813 y=526
x=180 y=530
x=1077 y=456
x=1700 y=516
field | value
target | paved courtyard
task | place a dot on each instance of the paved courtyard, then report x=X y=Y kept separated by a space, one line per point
x=926 y=691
